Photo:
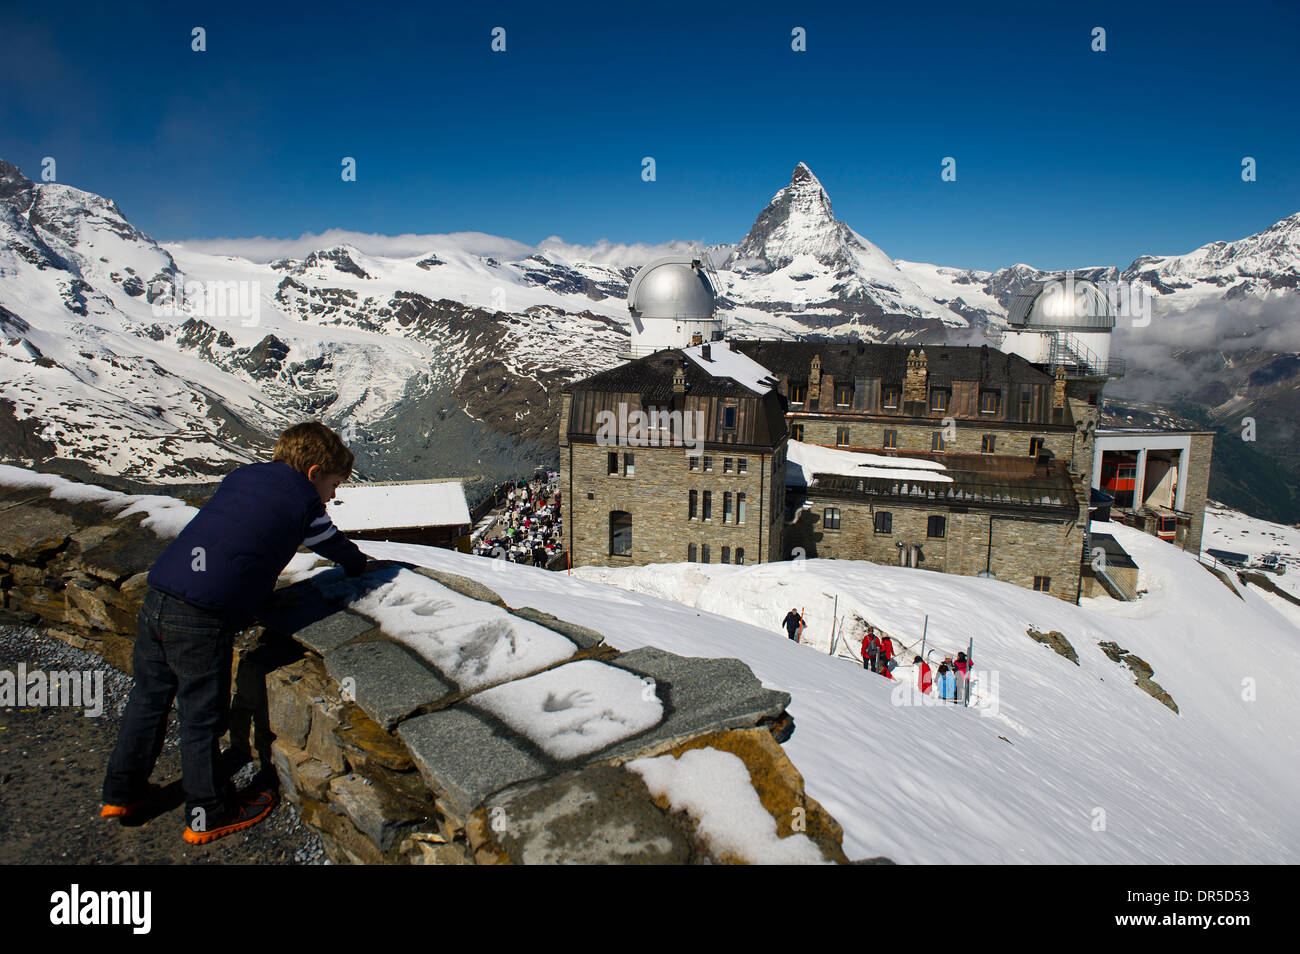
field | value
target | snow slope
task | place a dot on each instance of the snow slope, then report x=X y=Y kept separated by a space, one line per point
x=1066 y=764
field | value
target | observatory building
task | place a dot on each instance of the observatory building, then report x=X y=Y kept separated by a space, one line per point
x=966 y=460
x=1065 y=323
x=673 y=305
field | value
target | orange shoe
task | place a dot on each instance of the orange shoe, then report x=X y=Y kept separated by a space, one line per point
x=250 y=808
x=124 y=812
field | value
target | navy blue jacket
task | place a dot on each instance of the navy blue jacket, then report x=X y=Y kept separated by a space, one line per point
x=228 y=557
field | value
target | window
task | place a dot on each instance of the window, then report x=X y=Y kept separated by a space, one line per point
x=740 y=508
x=693 y=507
x=936 y=441
x=884 y=521
x=889 y=398
x=726 y=509
x=936 y=527
x=939 y=399
x=690 y=553
x=740 y=556
x=729 y=415
x=704 y=553
x=726 y=465
x=843 y=395
x=841 y=435
x=796 y=432
x=693 y=461
x=629 y=465
x=989 y=402
x=831 y=520
x=620 y=533
x=708 y=505
x=891 y=438
x=726 y=554
x=612 y=458
x=708 y=463
x=1126 y=471
x=798 y=393
x=987 y=443
x=1042 y=584
x=742 y=465
x=1035 y=446
x=1024 y=402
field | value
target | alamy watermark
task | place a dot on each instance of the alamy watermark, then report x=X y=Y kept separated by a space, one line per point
x=634 y=427
x=210 y=299
x=69 y=689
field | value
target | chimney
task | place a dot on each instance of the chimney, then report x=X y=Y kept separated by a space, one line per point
x=914 y=384
x=679 y=380
x=814 y=381
x=706 y=352
x=1058 y=388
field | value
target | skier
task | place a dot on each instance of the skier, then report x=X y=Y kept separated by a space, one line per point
x=887 y=657
x=792 y=622
x=870 y=649
x=961 y=673
x=947 y=683
x=925 y=681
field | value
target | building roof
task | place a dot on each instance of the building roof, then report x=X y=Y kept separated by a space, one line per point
x=647 y=383
x=1061 y=304
x=1116 y=555
x=399 y=506
x=848 y=360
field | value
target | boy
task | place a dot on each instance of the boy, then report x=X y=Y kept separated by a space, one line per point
x=205 y=587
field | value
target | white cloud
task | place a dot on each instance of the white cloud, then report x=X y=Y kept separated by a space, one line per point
x=263 y=249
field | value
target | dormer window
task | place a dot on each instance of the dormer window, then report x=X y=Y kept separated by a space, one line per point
x=843 y=395
x=729 y=416
x=990 y=402
x=939 y=399
x=798 y=393
x=889 y=398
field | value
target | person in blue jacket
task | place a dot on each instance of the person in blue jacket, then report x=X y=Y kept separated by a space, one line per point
x=947 y=683
x=204 y=588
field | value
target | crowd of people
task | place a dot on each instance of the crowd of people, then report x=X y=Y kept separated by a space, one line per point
x=951 y=682
x=529 y=527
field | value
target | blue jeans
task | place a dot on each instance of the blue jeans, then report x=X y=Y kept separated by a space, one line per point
x=182 y=653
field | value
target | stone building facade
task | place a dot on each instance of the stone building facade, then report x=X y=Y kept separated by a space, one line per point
x=1014 y=440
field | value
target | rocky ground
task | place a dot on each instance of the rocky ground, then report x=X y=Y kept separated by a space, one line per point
x=52 y=762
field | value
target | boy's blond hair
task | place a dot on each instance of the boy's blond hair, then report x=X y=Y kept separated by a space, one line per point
x=311 y=444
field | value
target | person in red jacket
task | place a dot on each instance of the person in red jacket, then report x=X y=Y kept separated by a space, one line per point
x=887 y=653
x=870 y=650
x=962 y=669
x=925 y=681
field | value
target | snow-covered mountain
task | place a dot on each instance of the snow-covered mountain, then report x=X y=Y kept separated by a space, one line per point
x=1260 y=266
x=799 y=259
x=167 y=362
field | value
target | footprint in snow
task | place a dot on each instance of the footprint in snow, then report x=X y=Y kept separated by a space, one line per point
x=574 y=699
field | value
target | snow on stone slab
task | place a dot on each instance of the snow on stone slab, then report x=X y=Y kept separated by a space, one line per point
x=804 y=460
x=715 y=789
x=725 y=363
x=474 y=643
x=165 y=516
x=429 y=503
x=576 y=709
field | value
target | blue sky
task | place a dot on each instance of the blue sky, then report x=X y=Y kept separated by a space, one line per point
x=1065 y=156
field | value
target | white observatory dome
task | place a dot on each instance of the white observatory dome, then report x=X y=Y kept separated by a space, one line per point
x=1061 y=304
x=673 y=287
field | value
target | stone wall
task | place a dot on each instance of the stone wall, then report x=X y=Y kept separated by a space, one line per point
x=388 y=744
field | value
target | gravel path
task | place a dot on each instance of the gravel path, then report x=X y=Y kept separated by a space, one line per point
x=52 y=762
